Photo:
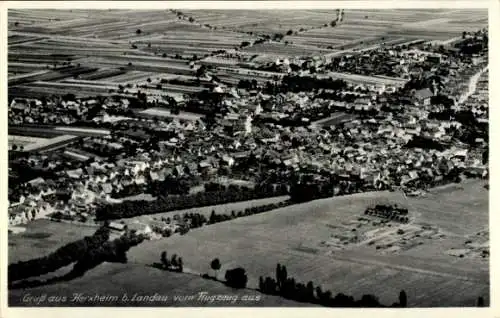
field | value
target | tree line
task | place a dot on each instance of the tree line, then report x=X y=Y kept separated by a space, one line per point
x=287 y=287
x=114 y=251
x=174 y=264
x=296 y=84
x=217 y=218
x=129 y=209
x=63 y=256
x=196 y=220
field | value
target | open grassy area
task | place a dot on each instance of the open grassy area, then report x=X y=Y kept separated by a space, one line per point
x=43 y=237
x=118 y=279
x=291 y=236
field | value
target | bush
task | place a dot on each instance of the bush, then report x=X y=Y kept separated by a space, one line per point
x=63 y=256
x=236 y=278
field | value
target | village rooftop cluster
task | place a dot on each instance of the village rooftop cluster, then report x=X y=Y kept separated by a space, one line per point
x=370 y=132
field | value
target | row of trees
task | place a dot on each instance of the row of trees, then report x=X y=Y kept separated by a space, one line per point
x=196 y=220
x=248 y=84
x=163 y=204
x=307 y=190
x=287 y=287
x=216 y=218
x=114 y=251
x=472 y=45
x=425 y=143
x=175 y=263
x=296 y=84
x=63 y=256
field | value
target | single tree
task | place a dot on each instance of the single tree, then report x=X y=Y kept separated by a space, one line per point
x=180 y=264
x=480 y=302
x=215 y=265
x=403 y=300
x=310 y=291
x=236 y=278
x=138 y=31
x=213 y=217
x=164 y=259
x=173 y=261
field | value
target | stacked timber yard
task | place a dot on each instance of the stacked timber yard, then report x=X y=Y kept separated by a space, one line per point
x=331 y=158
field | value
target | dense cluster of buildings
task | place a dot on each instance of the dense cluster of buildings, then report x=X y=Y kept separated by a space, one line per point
x=378 y=149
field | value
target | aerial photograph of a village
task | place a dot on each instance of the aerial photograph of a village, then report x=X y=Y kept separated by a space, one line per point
x=248 y=158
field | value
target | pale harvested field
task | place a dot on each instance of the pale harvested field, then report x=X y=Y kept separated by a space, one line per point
x=108 y=40
x=291 y=235
x=24 y=140
x=166 y=113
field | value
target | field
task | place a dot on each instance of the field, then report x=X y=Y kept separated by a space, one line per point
x=24 y=140
x=367 y=80
x=331 y=242
x=158 y=112
x=29 y=143
x=114 y=279
x=50 y=132
x=110 y=47
x=293 y=236
x=43 y=237
x=377 y=26
x=334 y=119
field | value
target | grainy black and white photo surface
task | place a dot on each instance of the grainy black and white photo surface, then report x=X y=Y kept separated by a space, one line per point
x=248 y=158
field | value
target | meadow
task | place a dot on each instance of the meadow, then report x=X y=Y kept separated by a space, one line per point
x=128 y=47
x=291 y=236
x=115 y=280
x=43 y=237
